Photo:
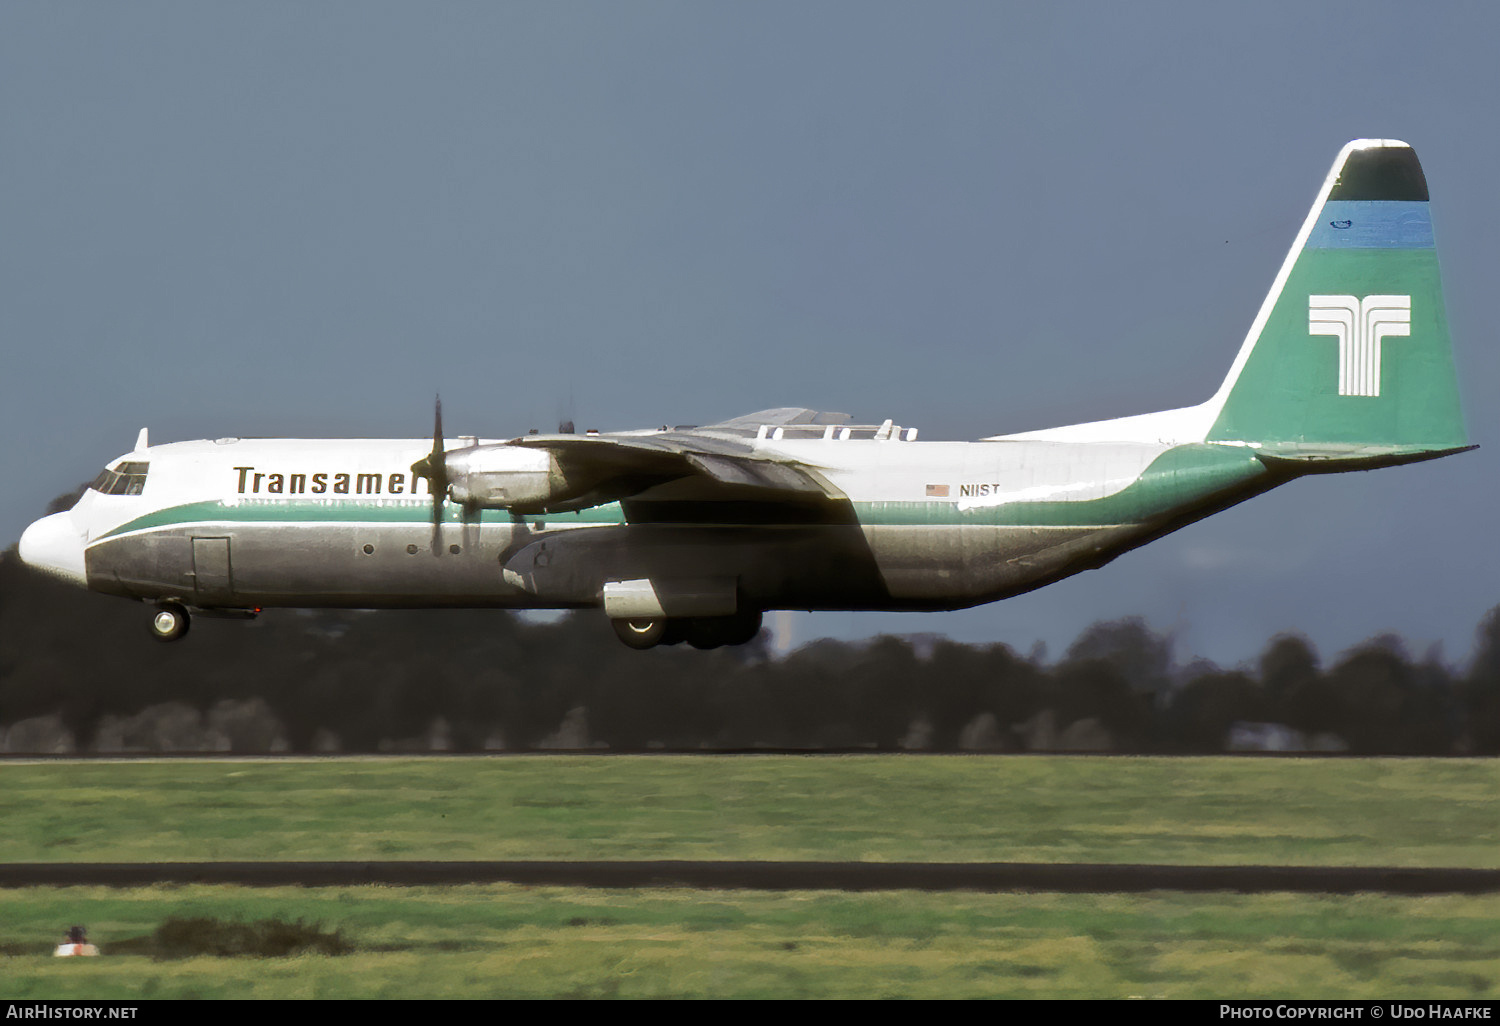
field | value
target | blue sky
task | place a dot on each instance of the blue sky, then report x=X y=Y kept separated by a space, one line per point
x=305 y=219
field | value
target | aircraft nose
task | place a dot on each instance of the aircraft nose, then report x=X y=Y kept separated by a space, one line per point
x=54 y=545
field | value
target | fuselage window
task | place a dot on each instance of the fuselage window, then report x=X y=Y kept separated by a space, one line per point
x=130 y=479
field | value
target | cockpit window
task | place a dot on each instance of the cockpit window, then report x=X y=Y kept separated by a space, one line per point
x=128 y=479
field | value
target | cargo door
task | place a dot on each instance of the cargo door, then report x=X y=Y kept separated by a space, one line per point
x=211 y=571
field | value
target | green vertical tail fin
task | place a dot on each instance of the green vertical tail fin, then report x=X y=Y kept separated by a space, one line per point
x=1349 y=356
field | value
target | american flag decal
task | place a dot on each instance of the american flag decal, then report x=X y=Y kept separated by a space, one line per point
x=937 y=491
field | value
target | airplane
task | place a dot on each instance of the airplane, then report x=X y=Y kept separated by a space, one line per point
x=688 y=534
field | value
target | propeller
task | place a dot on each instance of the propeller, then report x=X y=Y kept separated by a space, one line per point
x=434 y=467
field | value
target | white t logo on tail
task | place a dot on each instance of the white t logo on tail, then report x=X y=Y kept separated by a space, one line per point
x=1359 y=325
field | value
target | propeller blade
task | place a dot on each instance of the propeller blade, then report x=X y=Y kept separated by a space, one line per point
x=434 y=467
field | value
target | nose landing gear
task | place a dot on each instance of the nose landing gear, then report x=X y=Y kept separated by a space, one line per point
x=170 y=622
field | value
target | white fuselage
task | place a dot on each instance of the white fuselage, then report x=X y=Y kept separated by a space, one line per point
x=247 y=523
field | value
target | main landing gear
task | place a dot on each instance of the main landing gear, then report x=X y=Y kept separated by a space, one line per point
x=170 y=622
x=698 y=631
x=171 y=619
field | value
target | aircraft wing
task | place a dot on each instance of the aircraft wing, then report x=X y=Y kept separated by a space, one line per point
x=606 y=468
x=783 y=416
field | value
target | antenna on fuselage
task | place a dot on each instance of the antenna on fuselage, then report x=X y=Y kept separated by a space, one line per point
x=141 y=443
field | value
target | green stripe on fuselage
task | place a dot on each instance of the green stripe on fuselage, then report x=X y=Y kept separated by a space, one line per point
x=1178 y=479
x=268 y=511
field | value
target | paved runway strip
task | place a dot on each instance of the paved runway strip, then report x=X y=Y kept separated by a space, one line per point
x=780 y=876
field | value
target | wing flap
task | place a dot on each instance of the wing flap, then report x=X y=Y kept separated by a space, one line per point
x=752 y=473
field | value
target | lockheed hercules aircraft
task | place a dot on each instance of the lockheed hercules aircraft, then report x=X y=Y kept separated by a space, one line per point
x=690 y=533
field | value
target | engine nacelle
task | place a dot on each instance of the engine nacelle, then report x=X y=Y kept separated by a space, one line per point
x=506 y=477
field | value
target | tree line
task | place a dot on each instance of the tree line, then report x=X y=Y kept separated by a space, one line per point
x=78 y=673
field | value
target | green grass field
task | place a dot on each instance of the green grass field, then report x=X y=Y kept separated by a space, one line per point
x=504 y=941
x=1403 y=812
x=507 y=941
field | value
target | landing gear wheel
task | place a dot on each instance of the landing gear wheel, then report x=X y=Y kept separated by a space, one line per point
x=716 y=631
x=705 y=632
x=640 y=633
x=169 y=622
x=745 y=628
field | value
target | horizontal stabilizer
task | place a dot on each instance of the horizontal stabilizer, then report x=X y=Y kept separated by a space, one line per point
x=1327 y=459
